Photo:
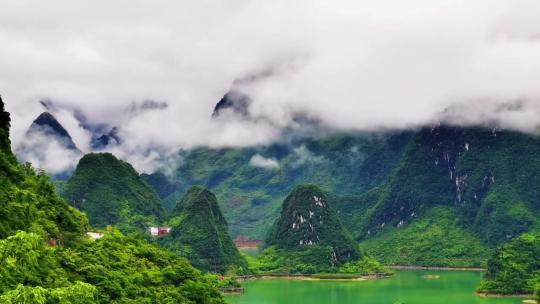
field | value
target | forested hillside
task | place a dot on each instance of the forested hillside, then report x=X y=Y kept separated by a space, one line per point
x=45 y=256
x=308 y=237
x=515 y=268
x=110 y=191
x=480 y=183
x=200 y=232
x=27 y=198
x=251 y=191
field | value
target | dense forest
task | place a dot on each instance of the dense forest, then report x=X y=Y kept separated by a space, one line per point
x=440 y=196
x=200 y=232
x=515 y=268
x=110 y=191
x=46 y=257
x=308 y=237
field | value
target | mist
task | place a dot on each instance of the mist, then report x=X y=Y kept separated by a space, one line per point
x=155 y=71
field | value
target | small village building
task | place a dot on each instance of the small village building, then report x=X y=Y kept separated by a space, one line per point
x=95 y=235
x=159 y=231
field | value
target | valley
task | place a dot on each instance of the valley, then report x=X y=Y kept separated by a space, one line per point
x=340 y=205
x=257 y=152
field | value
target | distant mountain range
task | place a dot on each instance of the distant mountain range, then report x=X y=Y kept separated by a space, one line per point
x=414 y=189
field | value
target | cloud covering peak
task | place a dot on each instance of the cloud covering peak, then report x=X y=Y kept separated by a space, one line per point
x=361 y=65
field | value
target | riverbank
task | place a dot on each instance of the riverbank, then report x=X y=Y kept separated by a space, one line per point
x=529 y=297
x=318 y=276
x=414 y=267
x=405 y=286
x=232 y=290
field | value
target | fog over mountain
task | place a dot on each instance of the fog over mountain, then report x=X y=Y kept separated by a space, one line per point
x=368 y=66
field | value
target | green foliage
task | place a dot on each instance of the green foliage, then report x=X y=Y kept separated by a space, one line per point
x=309 y=237
x=114 y=269
x=78 y=293
x=309 y=260
x=27 y=199
x=160 y=183
x=488 y=177
x=5 y=123
x=110 y=191
x=309 y=225
x=366 y=265
x=220 y=281
x=435 y=239
x=200 y=233
x=251 y=196
x=515 y=268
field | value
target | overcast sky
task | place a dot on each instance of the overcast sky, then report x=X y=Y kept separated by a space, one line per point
x=362 y=65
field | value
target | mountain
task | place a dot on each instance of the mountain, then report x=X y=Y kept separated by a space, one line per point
x=110 y=191
x=5 y=121
x=309 y=228
x=47 y=125
x=163 y=186
x=107 y=139
x=514 y=268
x=488 y=176
x=27 y=199
x=251 y=183
x=200 y=232
x=234 y=102
x=46 y=258
x=482 y=182
x=45 y=142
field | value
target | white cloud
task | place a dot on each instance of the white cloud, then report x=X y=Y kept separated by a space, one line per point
x=260 y=161
x=304 y=156
x=360 y=65
x=48 y=153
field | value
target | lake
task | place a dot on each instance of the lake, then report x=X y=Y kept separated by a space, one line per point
x=407 y=286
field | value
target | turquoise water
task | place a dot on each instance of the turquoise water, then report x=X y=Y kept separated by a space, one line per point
x=407 y=286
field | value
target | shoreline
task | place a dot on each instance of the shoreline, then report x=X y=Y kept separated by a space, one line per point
x=316 y=277
x=499 y=295
x=415 y=267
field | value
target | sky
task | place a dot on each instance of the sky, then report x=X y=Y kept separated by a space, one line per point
x=352 y=65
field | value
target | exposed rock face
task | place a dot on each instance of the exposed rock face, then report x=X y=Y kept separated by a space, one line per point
x=308 y=220
x=488 y=176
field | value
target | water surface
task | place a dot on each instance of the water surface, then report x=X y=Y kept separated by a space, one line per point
x=407 y=286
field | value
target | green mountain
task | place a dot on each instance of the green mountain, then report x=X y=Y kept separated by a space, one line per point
x=479 y=183
x=163 y=186
x=515 y=268
x=110 y=191
x=200 y=232
x=485 y=180
x=46 y=258
x=251 y=193
x=308 y=236
x=435 y=239
x=308 y=220
x=27 y=198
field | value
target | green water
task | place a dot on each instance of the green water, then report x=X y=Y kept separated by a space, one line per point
x=454 y=287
